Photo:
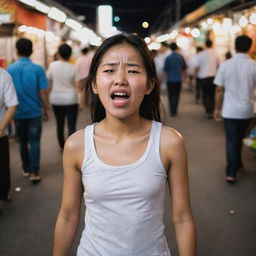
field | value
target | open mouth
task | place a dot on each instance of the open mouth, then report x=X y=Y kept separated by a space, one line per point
x=119 y=95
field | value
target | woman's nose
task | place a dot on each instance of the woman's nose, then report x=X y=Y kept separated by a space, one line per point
x=120 y=78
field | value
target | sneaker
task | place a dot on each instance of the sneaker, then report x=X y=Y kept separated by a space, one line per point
x=25 y=174
x=35 y=178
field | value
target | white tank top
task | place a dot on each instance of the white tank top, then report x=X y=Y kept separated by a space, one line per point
x=124 y=204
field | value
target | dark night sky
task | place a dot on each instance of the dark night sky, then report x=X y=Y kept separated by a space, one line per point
x=160 y=14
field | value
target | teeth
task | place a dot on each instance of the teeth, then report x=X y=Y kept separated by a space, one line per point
x=119 y=93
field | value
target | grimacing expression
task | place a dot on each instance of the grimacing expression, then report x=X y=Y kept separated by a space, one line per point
x=121 y=81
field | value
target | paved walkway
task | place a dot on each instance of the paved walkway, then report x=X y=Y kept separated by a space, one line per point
x=27 y=222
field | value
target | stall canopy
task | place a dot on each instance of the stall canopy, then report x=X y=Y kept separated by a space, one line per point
x=209 y=7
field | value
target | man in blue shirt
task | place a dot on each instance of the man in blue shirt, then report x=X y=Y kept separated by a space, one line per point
x=174 y=67
x=32 y=89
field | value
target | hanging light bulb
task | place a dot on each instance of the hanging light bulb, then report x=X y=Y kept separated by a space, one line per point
x=253 y=18
x=243 y=22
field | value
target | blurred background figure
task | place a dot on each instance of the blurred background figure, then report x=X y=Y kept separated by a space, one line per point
x=8 y=103
x=83 y=64
x=206 y=66
x=192 y=75
x=228 y=55
x=174 y=66
x=236 y=82
x=63 y=92
x=159 y=60
x=154 y=53
x=32 y=89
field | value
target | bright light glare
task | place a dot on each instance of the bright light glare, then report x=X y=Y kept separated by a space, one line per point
x=147 y=40
x=183 y=42
x=88 y=35
x=209 y=21
x=32 y=30
x=195 y=32
x=29 y=2
x=73 y=24
x=243 y=22
x=49 y=36
x=217 y=27
x=187 y=30
x=145 y=24
x=42 y=7
x=253 y=18
x=57 y=15
x=154 y=46
x=204 y=25
x=227 y=23
x=162 y=38
x=105 y=17
x=173 y=34
x=235 y=29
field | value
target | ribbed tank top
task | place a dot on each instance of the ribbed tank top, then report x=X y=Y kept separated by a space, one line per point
x=124 y=204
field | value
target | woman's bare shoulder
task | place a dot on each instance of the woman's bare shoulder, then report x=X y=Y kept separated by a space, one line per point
x=173 y=147
x=74 y=147
x=75 y=141
x=170 y=136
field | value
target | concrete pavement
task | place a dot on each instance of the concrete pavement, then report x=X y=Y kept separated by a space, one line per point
x=27 y=222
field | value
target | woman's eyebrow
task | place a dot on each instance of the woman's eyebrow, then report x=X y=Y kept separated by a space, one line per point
x=110 y=64
x=133 y=65
x=116 y=63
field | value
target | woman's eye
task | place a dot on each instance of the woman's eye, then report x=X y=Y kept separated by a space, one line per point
x=133 y=71
x=108 y=71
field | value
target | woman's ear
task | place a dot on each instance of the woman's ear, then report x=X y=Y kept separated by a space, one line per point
x=150 y=87
x=94 y=88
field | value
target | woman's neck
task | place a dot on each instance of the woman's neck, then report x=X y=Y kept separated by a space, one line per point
x=122 y=128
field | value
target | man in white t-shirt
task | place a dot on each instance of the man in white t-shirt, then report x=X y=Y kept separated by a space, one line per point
x=236 y=81
x=206 y=66
x=8 y=103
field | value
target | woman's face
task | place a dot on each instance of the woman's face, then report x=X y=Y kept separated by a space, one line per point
x=121 y=81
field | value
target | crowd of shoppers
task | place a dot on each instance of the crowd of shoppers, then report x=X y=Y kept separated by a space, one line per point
x=123 y=94
x=226 y=91
x=25 y=91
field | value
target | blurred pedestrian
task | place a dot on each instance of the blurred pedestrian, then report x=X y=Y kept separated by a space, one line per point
x=236 y=82
x=193 y=78
x=159 y=60
x=228 y=55
x=207 y=63
x=174 y=66
x=63 y=77
x=32 y=89
x=115 y=163
x=83 y=64
x=8 y=103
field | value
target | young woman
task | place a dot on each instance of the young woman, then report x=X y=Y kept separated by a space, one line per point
x=123 y=162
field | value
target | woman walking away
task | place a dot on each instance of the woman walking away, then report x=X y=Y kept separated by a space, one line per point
x=123 y=162
x=63 y=78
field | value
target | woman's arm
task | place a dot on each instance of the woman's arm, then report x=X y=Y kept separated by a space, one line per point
x=179 y=191
x=69 y=213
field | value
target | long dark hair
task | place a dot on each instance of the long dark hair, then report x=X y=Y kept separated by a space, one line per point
x=150 y=105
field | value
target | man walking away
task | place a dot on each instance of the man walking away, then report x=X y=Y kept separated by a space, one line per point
x=236 y=81
x=32 y=89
